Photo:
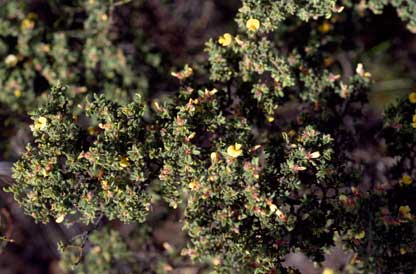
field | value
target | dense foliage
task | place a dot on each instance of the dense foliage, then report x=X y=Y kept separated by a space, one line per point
x=83 y=55
x=277 y=152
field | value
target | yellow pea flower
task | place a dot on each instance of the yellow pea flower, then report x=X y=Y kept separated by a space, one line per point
x=234 y=150
x=188 y=71
x=104 y=184
x=18 y=93
x=27 y=24
x=414 y=121
x=325 y=27
x=91 y=130
x=270 y=119
x=194 y=185
x=60 y=218
x=124 y=162
x=11 y=60
x=404 y=211
x=215 y=157
x=225 y=40
x=40 y=124
x=252 y=24
x=216 y=261
x=360 y=235
x=412 y=97
x=328 y=271
x=406 y=180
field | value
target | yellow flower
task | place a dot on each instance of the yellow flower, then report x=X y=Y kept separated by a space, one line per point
x=406 y=180
x=60 y=218
x=252 y=24
x=405 y=212
x=215 y=157
x=10 y=60
x=17 y=93
x=188 y=71
x=270 y=119
x=194 y=185
x=234 y=150
x=414 y=118
x=27 y=24
x=360 y=235
x=216 y=261
x=124 y=162
x=225 y=40
x=412 y=97
x=40 y=124
x=325 y=27
x=104 y=184
x=91 y=130
x=328 y=271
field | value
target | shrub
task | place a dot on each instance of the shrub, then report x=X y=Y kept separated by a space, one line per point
x=80 y=52
x=279 y=152
x=107 y=250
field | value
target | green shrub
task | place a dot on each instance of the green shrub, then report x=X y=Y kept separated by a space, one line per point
x=73 y=42
x=107 y=252
x=278 y=153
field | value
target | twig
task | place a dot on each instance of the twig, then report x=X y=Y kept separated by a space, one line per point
x=121 y=2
